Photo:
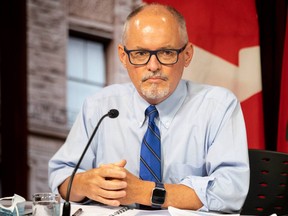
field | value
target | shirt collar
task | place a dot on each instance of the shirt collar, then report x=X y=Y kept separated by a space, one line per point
x=167 y=109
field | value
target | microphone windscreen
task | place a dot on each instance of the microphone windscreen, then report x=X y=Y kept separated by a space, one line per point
x=113 y=113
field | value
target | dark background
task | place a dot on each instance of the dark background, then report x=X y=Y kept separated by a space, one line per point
x=272 y=24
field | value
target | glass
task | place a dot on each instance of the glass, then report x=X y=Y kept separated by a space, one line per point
x=164 y=56
x=46 y=204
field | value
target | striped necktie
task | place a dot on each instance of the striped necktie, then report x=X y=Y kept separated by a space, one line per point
x=150 y=156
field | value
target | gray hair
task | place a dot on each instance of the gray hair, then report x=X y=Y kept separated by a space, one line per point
x=176 y=14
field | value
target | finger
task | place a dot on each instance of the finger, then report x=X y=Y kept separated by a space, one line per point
x=111 y=194
x=108 y=202
x=121 y=163
x=113 y=184
x=112 y=172
x=111 y=165
x=107 y=197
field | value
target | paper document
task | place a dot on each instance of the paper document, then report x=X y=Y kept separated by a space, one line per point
x=94 y=210
x=102 y=210
x=97 y=210
x=180 y=212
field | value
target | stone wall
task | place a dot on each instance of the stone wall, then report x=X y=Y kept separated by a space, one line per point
x=47 y=38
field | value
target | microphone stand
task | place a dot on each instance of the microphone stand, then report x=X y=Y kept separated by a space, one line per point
x=113 y=113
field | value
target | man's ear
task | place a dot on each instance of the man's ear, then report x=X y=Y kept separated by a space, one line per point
x=122 y=55
x=188 y=54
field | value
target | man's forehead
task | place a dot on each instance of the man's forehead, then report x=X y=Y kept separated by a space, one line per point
x=156 y=11
x=146 y=21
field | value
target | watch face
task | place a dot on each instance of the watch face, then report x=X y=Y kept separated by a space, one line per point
x=158 y=196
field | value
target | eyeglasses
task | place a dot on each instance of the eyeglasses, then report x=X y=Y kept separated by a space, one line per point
x=164 y=56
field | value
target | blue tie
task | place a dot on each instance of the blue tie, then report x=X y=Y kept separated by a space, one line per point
x=150 y=156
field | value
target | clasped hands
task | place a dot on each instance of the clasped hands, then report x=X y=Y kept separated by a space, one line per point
x=110 y=184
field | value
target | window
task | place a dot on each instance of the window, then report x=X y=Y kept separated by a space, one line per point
x=85 y=73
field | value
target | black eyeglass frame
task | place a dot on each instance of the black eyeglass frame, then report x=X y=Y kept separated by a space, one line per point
x=154 y=52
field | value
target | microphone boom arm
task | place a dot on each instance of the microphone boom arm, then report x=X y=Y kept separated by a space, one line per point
x=66 y=206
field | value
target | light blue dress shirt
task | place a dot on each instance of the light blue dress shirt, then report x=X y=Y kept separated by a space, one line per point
x=203 y=140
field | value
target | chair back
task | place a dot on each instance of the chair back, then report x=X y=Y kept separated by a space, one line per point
x=268 y=191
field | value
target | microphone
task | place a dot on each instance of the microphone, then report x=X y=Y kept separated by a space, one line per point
x=113 y=113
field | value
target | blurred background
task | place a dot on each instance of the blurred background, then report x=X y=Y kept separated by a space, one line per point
x=56 y=52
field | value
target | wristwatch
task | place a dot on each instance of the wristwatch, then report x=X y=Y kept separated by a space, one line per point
x=158 y=195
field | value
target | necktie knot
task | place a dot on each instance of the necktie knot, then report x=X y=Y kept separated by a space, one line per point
x=151 y=112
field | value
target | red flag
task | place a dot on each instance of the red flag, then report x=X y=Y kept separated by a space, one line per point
x=282 y=144
x=225 y=35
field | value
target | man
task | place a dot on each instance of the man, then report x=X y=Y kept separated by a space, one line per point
x=203 y=158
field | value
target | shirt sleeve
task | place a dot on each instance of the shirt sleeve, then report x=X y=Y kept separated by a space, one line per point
x=226 y=185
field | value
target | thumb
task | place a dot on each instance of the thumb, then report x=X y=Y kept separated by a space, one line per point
x=121 y=163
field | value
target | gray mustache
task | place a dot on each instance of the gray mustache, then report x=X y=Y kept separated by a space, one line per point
x=154 y=75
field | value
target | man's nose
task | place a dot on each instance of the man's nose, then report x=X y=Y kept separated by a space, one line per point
x=153 y=63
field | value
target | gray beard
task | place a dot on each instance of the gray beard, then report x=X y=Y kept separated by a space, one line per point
x=152 y=92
